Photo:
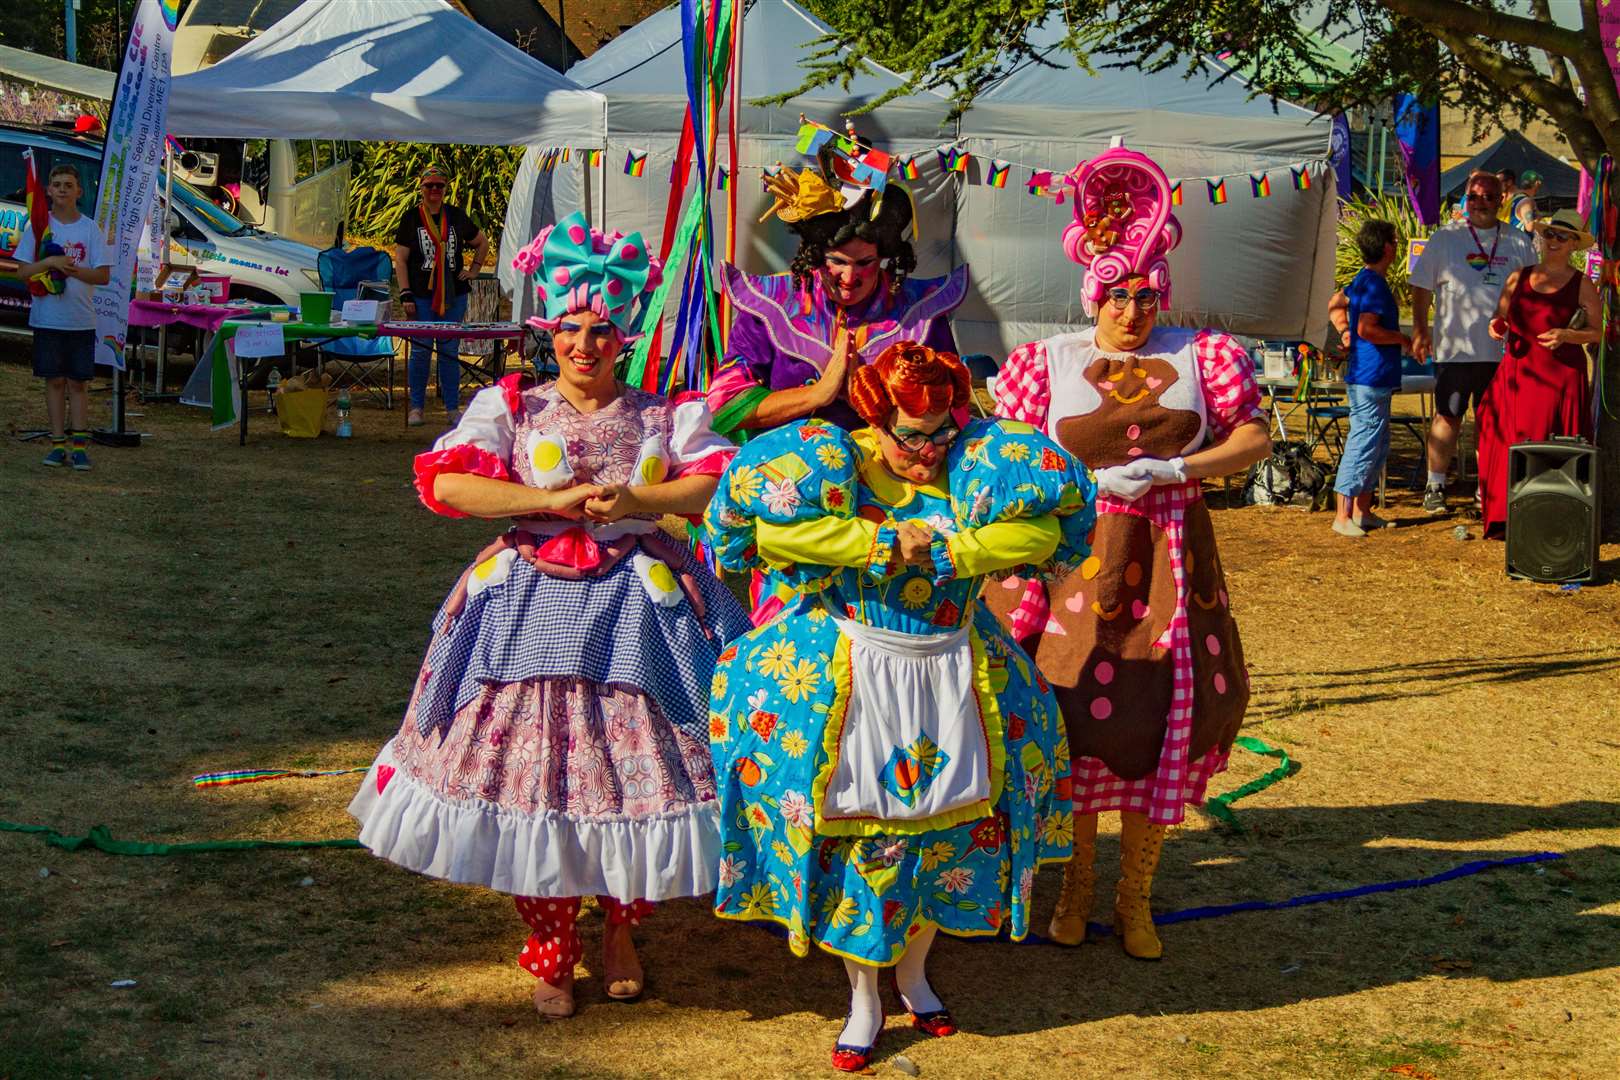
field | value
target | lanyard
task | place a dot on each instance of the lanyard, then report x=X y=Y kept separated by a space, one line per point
x=1480 y=244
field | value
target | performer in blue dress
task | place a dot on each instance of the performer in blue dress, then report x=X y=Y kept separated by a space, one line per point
x=889 y=762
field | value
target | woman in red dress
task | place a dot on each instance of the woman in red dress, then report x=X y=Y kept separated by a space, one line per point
x=1541 y=388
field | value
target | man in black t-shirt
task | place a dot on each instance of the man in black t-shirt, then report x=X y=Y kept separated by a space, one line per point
x=433 y=270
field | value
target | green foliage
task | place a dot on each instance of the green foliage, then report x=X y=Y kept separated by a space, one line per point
x=1395 y=209
x=385 y=184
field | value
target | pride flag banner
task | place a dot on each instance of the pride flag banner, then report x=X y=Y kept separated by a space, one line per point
x=960 y=160
x=1040 y=181
x=1217 y=191
x=593 y=158
x=722 y=179
x=635 y=163
x=1261 y=183
x=997 y=177
x=1302 y=177
x=1175 y=193
x=908 y=167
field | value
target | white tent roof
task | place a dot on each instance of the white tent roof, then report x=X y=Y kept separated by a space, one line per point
x=402 y=70
x=1254 y=266
x=54 y=74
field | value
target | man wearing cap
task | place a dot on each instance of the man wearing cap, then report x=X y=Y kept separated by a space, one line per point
x=433 y=270
x=1463 y=267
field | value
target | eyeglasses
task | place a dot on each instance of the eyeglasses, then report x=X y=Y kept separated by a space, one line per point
x=433 y=187
x=1558 y=236
x=914 y=441
x=1145 y=298
x=1476 y=197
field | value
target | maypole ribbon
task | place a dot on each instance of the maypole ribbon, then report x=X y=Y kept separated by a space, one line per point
x=1219 y=807
x=254 y=776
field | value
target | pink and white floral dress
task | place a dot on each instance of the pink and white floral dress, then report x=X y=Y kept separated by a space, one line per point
x=556 y=743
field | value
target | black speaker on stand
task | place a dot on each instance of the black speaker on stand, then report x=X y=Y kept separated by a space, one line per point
x=1553 y=518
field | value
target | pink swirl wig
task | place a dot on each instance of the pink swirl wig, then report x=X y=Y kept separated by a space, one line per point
x=1144 y=239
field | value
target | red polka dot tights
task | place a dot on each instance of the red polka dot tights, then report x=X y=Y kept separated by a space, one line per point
x=553 y=949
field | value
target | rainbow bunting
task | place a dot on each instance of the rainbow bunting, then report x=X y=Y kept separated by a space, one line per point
x=1261 y=183
x=998 y=173
x=1217 y=191
x=1175 y=193
x=766 y=173
x=960 y=160
x=565 y=155
x=1040 y=180
x=635 y=164
x=1302 y=178
x=593 y=158
x=722 y=179
x=947 y=154
x=908 y=167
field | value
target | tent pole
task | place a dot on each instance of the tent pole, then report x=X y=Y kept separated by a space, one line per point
x=168 y=204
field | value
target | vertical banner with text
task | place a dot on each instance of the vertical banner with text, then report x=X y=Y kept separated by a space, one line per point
x=130 y=163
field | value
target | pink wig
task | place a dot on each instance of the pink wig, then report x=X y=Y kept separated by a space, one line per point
x=1122 y=225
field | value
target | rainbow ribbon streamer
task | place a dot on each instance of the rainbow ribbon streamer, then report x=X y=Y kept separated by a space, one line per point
x=254 y=776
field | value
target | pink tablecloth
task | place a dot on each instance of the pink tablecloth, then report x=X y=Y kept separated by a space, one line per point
x=444 y=331
x=202 y=316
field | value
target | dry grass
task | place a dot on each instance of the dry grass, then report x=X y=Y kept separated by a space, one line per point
x=193 y=605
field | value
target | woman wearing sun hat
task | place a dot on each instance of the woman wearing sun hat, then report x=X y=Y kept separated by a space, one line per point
x=1546 y=314
x=556 y=743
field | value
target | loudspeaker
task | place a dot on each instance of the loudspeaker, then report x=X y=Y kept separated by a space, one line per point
x=1552 y=511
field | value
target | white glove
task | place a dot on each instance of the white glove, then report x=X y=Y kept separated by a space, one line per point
x=1125 y=482
x=1160 y=471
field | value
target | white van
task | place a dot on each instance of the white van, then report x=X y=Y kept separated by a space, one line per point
x=262 y=268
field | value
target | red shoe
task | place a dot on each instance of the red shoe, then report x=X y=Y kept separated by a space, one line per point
x=936 y=1024
x=854 y=1059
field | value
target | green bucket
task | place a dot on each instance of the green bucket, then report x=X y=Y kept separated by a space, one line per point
x=315 y=307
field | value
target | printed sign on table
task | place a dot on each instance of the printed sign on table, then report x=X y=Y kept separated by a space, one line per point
x=259 y=339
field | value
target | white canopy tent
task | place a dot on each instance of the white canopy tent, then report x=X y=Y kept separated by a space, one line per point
x=1256 y=266
x=395 y=70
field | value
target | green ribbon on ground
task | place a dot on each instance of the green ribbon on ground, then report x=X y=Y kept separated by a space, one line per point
x=1220 y=806
x=100 y=839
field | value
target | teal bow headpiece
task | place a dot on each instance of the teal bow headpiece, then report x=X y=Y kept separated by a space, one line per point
x=581 y=268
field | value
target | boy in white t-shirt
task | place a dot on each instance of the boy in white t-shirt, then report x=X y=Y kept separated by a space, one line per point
x=1463 y=266
x=64 y=323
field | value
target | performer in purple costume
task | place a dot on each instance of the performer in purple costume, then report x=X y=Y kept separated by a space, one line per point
x=797 y=335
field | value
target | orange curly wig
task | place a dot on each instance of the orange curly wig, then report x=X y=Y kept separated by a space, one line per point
x=912 y=377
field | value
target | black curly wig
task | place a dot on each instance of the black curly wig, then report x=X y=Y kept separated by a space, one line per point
x=886 y=232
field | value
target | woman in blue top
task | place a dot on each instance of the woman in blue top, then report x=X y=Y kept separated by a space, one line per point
x=1372 y=332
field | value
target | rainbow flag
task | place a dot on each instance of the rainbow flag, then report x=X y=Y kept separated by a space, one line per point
x=1261 y=183
x=960 y=160
x=593 y=158
x=722 y=179
x=1040 y=180
x=908 y=167
x=565 y=155
x=998 y=173
x=38 y=213
x=947 y=154
x=1175 y=193
x=1217 y=191
x=1302 y=178
x=635 y=164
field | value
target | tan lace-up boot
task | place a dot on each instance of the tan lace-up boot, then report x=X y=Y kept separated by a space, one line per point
x=1073 y=909
x=1139 y=846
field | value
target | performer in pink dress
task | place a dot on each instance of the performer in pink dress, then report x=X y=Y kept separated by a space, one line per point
x=1138 y=643
x=556 y=744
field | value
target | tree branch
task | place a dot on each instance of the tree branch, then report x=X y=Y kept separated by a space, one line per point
x=1454 y=17
x=1602 y=98
x=1560 y=70
x=1520 y=81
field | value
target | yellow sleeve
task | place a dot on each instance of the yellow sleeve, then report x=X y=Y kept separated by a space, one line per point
x=827 y=541
x=1000 y=545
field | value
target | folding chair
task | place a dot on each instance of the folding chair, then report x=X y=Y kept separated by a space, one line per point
x=1416 y=425
x=359 y=274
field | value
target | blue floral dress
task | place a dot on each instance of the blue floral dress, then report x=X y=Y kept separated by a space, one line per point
x=839 y=843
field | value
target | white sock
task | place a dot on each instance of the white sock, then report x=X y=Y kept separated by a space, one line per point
x=1437 y=479
x=865 y=1006
x=911 y=975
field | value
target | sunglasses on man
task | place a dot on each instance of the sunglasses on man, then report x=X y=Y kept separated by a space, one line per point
x=1475 y=196
x=434 y=186
x=915 y=441
x=1146 y=299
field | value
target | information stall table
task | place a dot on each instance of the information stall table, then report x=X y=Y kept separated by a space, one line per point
x=207 y=317
x=228 y=383
x=498 y=332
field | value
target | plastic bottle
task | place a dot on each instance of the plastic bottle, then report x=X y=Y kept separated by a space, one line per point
x=272 y=384
x=344 y=430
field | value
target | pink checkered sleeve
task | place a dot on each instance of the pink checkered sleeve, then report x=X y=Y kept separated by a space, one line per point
x=1022 y=389
x=1231 y=396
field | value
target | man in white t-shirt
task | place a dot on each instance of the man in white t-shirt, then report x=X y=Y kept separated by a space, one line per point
x=1466 y=263
x=64 y=322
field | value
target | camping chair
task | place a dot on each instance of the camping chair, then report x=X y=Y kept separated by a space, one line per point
x=982 y=369
x=1417 y=425
x=1325 y=414
x=359 y=274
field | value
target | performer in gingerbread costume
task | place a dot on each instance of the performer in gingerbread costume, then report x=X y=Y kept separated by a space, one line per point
x=1138 y=643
